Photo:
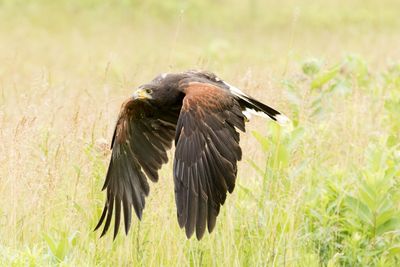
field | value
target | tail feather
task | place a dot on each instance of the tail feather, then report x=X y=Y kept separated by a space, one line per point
x=255 y=107
x=252 y=106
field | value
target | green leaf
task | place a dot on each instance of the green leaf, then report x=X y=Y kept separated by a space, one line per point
x=325 y=77
x=368 y=195
x=394 y=250
x=283 y=155
x=390 y=225
x=59 y=247
x=384 y=217
x=392 y=141
x=362 y=210
x=385 y=204
x=62 y=248
x=50 y=243
x=312 y=66
x=262 y=140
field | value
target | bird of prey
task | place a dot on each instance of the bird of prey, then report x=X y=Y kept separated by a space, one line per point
x=201 y=114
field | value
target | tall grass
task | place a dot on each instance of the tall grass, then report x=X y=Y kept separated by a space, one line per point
x=323 y=191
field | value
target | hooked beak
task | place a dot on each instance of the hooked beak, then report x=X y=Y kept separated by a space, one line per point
x=141 y=94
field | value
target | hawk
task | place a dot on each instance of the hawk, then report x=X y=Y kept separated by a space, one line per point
x=201 y=114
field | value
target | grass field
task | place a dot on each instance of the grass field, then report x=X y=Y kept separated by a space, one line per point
x=324 y=191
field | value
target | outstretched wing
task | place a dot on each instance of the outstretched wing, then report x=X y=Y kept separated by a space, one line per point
x=207 y=151
x=141 y=138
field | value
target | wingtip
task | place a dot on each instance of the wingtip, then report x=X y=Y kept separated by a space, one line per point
x=200 y=234
x=103 y=233
x=189 y=230
x=96 y=228
x=139 y=215
x=189 y=233
x=181 y=220
x=126 y=230
x=103 y=215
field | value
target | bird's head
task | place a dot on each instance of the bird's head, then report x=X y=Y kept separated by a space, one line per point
x=162 y=90
x=143 y=93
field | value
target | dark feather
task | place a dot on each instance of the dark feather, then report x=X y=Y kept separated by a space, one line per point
x=201 y=223
x=127 y=213
x=109 y=215
x=206 y=155
x=141 y=137
x=103 y=215
x=117 y=216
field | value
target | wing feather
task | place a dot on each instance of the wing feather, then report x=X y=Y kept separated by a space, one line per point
x=140 y=142
x=206 y=155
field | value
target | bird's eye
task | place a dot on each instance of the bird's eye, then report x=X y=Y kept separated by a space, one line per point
x=148 y=91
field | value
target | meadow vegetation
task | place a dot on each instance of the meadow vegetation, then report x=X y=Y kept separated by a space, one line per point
x=323 y=191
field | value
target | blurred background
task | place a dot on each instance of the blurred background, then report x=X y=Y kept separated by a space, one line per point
x=324 y=191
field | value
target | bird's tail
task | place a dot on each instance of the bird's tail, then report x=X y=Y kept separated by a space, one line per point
x=253 y=107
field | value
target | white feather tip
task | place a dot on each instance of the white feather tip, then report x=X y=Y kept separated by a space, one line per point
x=282 y=119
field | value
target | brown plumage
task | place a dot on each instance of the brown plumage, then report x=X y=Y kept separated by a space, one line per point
x=202 y=114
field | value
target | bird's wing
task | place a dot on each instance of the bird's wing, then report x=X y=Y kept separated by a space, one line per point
x=141 y=138
x=207 y=151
